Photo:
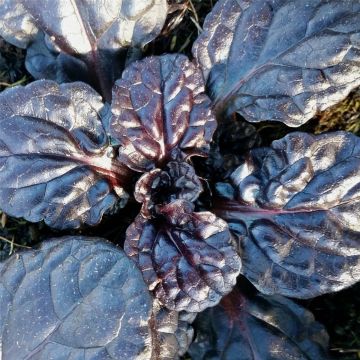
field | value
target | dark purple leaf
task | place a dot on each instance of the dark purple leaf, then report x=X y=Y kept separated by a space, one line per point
x=174 y=333
x=75 y=299
x=43 y=61
x=55 y=161
x=96 y=33
x=185 y=332
x=160 y=112
x=280 y=60
x=82 y=298
x=17 y=25
x=254 y=326
x=157 y=187
x=187 y=259
x=295 y=209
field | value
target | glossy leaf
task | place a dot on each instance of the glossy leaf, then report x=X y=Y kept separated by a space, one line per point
x=187 y=258
x=254 y=326
x=294 y=208
x=45 y=61
x=17 y=25
x=174 y=333
x=74 y=298
x=100 y=31
x=160 y=112
x=185 y=332
x=157 y=187
x=280 y=60
x=55 y=161
x=79 y=297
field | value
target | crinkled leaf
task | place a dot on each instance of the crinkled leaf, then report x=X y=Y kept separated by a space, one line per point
x=74 y=298
x=55 y=162
x=188 y=260
x=174 y=333
x=96 y=33
x=79 y=297
x=160 y=112
x=160 y=187
x=295 y=209
x=254 y=326
x=280 y=60
x=231 y=141
x=185 y=332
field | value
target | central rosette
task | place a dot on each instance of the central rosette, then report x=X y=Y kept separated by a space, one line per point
x=160 y=190
x=187 y=258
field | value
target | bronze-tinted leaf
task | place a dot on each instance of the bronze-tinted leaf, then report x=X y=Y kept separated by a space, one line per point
x=295 y=210
x=55 y=161
x=74 y=298
x=280 y=60
x=82 y=298
x=161 y=113
x=93 y=33
x=247 y=326
x=173 y=335
x=187 y=259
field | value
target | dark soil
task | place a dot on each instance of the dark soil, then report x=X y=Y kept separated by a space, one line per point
x=339 y=312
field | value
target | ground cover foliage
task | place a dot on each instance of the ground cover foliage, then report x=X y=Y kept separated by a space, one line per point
x=232 y=140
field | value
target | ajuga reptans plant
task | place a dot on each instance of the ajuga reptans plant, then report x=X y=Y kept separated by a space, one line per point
x=102 y=125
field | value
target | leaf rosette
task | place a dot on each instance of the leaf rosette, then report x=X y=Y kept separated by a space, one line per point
x=157 y=187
